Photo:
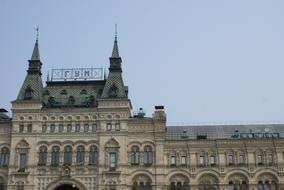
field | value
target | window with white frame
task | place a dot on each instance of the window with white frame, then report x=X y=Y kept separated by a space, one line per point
x=80 y=157
x=230 y=160
x=44 y=128
x=86 y=127
x=93 y=155
x=42 y=156
x=78 y=127
x=94 y=127
x=212 y=160
x=173 y=160
x=55 y=156
x=109 y=126
x=29 y=128
x=117 y=126
x=259 y=159
x=52 y=128
x=135 y=155
x=4 y=157
x=269 y=159
x=201 y=161
x=23 y=161
x=68 y=155
x=69 y=128
x=21 y=128
x=60 y=128
x=241 y=159
x=183 y=160
x=148 y=155
x=112 y=160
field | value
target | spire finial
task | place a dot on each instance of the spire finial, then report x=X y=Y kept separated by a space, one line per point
x=35 y=55
x=115 y=53
x=37 y=29
x=115 y=34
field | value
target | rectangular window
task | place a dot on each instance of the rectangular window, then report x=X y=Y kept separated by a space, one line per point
x=109 y=126
x=60 y=128
x=23 y=161
x=117 y=126
x=270 y=159
x=21 y=128
x=78 y=127
x=86 y=127
x=112 y=160
x=44 y=128
x=69 y=128
x=183 y=160
x=30 y=128
x=231 y=160
x=259 y=160
x=94 y=127
x=173 y=160
x=212 y=161
x=241 y=159
x=201 y=160
x=52 y=128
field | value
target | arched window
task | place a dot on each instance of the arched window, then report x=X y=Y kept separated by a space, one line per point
x=142 y=183
x=55 y=156
x=80 y=157
x=148 y=155
x=84 y=91
x=208 y=182
x=93 y=156
x=28 y=93
x=238 y=182
x=71 y=100
x=135 y=155
x=68 y=155
x=179 y=182
x=4 y=158
x=267 y=182
x=113 y=92
x=42 y=156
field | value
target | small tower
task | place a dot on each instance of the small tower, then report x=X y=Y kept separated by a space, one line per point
x=114 y=87
x=32 y=86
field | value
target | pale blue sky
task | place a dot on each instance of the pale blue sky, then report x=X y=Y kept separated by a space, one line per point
x=205 y=60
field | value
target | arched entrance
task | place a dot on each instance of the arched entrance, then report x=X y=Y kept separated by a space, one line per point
x=65 y=184
x=67 y=187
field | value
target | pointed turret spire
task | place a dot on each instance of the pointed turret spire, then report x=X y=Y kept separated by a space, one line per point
x=35 y=55
x=115 y=53
x=32 y=86
x=114 y=87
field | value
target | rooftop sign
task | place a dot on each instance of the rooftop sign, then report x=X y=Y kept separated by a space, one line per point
x=77 y=74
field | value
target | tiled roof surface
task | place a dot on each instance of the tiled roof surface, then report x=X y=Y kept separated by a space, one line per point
x=61 y=91
x=221 y=131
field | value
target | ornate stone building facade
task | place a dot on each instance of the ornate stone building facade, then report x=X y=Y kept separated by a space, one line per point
x=81 y=134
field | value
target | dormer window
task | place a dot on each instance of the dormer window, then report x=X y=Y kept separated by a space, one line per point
x=71 y=100
x=28 y=93
x=46 y=93
x=113 y=92
x=83 y=91
x=63 y=92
